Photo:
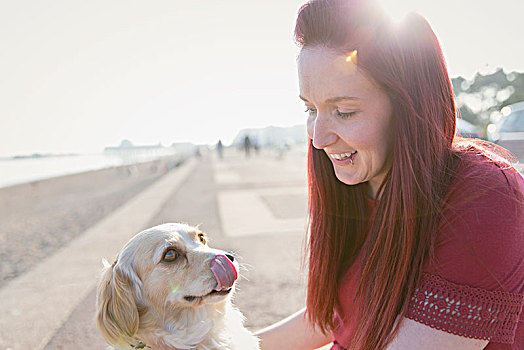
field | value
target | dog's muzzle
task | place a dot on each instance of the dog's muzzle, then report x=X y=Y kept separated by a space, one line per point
x=224 y=271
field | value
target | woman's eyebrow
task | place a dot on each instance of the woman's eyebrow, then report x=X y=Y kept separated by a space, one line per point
x=334 y=99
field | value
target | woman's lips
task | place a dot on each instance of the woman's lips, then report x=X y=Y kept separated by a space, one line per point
x=346 y=161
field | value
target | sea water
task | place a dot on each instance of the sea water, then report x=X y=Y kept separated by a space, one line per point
x=20 y=170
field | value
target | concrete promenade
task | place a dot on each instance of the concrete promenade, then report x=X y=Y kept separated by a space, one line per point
x=253 y=206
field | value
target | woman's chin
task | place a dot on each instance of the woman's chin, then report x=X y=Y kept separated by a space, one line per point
x=348 y=179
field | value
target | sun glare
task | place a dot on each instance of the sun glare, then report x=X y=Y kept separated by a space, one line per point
x=398 y=10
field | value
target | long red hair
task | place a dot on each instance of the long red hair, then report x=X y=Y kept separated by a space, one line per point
x=406 y=61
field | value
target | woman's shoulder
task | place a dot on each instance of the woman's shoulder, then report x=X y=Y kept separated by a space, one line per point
x=481 y=180
x=487 y=193
x=483 y=168
x=480 y=239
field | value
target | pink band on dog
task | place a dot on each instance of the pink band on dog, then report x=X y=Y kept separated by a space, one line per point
x=224 y=271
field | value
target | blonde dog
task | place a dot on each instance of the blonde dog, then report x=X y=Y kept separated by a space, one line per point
x=169 y=290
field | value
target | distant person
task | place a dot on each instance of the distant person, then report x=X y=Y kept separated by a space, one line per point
x=220 y=149
x=256 y=145
x=247 y=145
x=416 y=237
x=198 y=154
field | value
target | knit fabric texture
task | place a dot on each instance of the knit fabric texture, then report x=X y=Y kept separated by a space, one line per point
x=466 y=311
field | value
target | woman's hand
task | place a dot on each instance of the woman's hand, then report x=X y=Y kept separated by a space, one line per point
x=293 y=333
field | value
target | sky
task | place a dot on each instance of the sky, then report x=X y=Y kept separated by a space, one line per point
x=77 y=76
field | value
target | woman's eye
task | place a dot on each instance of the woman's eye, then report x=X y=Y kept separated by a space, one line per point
x=310 y=110
x=202 y=238
x=170 y=255
x=347 y=114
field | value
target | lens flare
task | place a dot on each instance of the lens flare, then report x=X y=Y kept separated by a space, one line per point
x=352 y=57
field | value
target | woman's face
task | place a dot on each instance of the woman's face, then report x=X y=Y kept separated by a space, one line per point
x=350 y=118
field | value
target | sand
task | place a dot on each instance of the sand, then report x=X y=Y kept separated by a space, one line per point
x=38 y=218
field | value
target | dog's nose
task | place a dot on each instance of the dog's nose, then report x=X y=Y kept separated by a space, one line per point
x=230 y=257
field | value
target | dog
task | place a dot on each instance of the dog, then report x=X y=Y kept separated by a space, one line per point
x=168 y=289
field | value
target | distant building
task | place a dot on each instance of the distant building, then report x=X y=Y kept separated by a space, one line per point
x=127 y=145
x=183 y=147
x=142 y=153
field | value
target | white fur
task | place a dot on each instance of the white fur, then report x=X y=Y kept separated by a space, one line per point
x=141 y=297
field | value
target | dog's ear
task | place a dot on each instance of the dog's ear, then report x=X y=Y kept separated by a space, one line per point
x=116 y=311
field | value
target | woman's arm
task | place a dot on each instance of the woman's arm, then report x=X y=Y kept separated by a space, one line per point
x=415 y=335
x=295 y=333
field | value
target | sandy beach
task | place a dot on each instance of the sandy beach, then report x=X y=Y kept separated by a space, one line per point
x=38 y=218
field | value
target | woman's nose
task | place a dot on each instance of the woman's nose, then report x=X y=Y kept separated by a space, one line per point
x=322 y=133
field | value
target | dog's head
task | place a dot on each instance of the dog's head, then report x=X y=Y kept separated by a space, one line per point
x=161 y=270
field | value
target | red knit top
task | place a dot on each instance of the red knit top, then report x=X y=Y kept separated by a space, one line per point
x=475 y=287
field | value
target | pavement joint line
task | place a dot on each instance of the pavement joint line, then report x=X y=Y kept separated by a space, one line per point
x=244 y=213
x=36 y=304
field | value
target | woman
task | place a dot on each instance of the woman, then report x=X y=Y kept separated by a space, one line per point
x=416 y=237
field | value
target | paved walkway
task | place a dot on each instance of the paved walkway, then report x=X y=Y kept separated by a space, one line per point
x=254 y=206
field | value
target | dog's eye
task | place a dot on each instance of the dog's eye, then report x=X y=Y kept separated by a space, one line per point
x=202 y=238
x=170 y=255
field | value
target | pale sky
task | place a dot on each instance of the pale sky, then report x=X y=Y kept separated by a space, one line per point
x=76 y=76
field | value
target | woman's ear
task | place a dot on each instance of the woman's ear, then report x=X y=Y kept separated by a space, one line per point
x=116 y=311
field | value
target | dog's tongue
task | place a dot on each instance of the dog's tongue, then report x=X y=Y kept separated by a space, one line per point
x=224 y=271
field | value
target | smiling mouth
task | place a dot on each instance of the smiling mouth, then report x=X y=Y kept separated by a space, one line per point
x=342 y=156
x=191 y=298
